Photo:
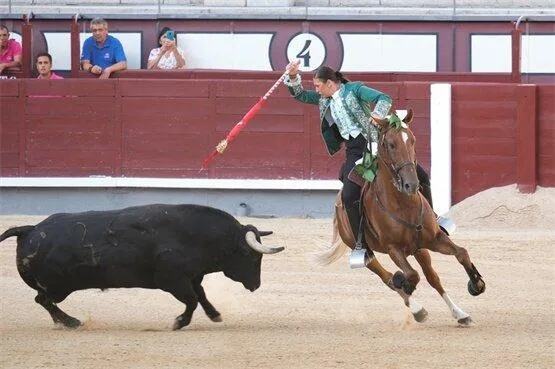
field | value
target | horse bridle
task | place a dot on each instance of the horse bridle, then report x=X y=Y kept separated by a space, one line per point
x=394 y=170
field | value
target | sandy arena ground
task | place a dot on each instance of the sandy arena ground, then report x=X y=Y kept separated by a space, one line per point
x=308 y=316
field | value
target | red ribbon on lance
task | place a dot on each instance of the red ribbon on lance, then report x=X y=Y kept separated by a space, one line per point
x=220 y=148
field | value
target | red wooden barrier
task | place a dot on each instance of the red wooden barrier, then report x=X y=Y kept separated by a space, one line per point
x=164 y=128
x=545 y=114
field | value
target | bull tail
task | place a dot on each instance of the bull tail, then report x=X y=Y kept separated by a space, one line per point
x=16 y=231
x=337 y=248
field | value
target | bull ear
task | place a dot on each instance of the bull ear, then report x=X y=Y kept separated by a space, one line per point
x=408 y=118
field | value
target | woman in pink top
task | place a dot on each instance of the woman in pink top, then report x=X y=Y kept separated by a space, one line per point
x=10 y=51
x=44 y=67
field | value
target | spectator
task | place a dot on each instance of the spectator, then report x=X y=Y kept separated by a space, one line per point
x=10 y=51
x=102 y=54
x=168 y=55
x=44 y=67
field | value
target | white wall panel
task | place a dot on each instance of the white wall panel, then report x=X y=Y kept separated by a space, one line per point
x=538 y=54
x=389 y=53
x=237 y=51
x=490 y=53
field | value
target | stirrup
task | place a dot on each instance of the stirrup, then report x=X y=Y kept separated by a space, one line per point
x=359 y=257
x=446 y=225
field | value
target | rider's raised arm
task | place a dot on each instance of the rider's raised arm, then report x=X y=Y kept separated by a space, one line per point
x=296 y=90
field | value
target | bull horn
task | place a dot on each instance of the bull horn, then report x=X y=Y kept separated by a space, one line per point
x=264 y=233
x=250 y=237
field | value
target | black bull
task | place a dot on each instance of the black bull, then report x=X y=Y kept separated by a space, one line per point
x=167 y=247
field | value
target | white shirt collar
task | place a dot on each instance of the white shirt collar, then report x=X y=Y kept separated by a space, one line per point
x=335 y=95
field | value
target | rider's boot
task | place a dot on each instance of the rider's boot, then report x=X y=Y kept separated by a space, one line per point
x=445 y=224
x=353 y=213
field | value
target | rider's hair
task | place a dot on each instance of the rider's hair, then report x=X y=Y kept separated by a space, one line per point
x=325 y=73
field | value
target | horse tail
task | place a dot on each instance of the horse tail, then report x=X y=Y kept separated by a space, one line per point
x=16 y=231
x=337 y=248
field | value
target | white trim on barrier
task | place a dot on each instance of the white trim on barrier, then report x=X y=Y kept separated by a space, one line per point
x=440 y=146
x=190 y=183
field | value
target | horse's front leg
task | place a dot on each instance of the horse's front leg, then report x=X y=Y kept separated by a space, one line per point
x=410 y=279
x=405 y=283
x=444 y=245
x=425 y=261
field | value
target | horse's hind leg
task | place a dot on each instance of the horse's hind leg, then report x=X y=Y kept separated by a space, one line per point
x=425 y=261
x=444 y=245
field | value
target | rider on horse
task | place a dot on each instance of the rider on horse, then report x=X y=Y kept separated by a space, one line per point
x=346 y=116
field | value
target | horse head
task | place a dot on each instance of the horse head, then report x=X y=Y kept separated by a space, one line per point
x=396 y=152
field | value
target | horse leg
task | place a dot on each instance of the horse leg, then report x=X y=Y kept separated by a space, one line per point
x=444 y=245
x=406 y=286
x=395 y=282
x=411 y=277
x=425 y=261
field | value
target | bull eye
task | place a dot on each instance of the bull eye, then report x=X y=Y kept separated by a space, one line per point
x=391 y=145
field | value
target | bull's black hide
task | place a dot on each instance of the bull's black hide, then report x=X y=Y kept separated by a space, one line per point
x=167 y=247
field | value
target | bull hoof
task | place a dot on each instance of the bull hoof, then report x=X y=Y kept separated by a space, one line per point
x=476 y=289
x=70 y=322
x=216 y=319
x=465 y=321
x=179 y=323
x=421 y=316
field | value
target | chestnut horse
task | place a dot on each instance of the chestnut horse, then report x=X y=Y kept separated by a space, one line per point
x=400 y=222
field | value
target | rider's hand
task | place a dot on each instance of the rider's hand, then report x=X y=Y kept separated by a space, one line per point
x=293 y=68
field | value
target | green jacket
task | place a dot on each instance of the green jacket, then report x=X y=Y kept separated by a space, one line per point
x=357 y=99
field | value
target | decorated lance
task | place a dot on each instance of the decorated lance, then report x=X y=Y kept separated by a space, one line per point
x=220 y=148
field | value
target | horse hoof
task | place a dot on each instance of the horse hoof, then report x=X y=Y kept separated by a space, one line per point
x=476 y=289
x=216 y=319
x=399 y=280
x=465 y=321
x=420 y=316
